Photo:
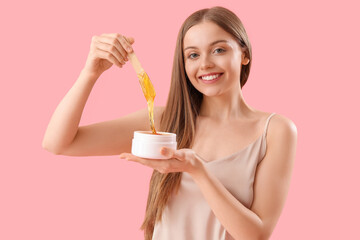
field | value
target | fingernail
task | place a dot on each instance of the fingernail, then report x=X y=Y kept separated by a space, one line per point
x=164 y=151
x=129 y=49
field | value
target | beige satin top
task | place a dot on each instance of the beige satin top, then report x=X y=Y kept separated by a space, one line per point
x=189 y=217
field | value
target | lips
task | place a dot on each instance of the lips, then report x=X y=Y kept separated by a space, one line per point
x=210 y=77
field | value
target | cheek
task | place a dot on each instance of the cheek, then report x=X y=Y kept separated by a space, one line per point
x=227 y=63
x=235 y=65
x=190 y=70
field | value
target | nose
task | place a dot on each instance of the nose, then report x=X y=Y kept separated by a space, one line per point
x=206 y=62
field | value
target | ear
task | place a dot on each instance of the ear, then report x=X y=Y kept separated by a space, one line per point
x=245 y=61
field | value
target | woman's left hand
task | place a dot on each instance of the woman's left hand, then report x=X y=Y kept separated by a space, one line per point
x=182 y=160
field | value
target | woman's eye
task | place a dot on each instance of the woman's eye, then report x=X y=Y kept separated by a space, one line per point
x=219 y=50
x=193 y=55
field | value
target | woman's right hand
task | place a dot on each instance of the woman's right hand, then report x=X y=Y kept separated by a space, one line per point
x=106 y=50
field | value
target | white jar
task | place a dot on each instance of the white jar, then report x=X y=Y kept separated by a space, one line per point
x=145 y=144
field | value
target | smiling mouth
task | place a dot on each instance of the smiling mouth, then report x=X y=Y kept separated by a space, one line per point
x=210 y=77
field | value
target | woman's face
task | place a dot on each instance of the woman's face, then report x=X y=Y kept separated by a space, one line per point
x=212 y=59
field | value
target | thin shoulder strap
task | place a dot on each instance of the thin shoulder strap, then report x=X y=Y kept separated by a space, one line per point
x=263 y=145
x=267 y=123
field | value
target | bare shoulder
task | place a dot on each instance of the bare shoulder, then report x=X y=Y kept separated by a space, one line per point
x=281 y=126
x=281 y=137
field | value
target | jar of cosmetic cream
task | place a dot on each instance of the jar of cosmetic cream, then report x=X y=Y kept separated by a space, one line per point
x=145 y=144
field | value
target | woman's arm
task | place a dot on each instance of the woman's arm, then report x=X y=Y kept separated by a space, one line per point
x=63 y=134
x=64 y=122
x=271 y=186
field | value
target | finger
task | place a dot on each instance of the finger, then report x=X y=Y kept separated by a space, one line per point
x=125 y=155
x=113 y=46
x=130 y=40
x=171 y=153
x=167 y=152
x=153 y=163
x=131 y=157
x=161 y=165
x=108 y=56
x=124 y=42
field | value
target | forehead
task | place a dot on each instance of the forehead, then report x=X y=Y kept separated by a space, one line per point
x=204 y=33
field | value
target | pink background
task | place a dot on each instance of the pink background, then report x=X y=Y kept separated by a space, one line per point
x=305 y=66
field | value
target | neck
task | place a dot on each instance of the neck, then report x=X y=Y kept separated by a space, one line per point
x=225 y=107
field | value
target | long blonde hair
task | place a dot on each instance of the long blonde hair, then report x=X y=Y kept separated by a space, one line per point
x=183 y=107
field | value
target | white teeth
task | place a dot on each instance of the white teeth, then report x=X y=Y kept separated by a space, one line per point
x=211 y=77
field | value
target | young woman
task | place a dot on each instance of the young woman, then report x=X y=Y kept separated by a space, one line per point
x=230 y=175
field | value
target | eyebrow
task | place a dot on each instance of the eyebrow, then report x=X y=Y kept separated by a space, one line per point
x=211 y=44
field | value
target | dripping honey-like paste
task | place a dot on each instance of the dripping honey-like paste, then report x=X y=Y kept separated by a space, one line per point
x=149 y=93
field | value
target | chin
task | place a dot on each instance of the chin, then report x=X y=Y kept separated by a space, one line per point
x=211 y=92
